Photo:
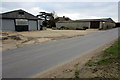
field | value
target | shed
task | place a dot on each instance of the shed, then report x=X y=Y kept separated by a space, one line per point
x=19 y=20
x=103 y=23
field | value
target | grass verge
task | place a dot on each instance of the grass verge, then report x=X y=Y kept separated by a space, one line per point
x=108 y=55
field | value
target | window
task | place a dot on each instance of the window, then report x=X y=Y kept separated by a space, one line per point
x=21 y=13
x=21 y=22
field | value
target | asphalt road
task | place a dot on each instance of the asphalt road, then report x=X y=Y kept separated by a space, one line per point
x=30 y=60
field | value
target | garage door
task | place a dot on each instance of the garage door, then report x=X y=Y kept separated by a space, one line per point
x=8 y=25
x=32 y=25
x=21 y=25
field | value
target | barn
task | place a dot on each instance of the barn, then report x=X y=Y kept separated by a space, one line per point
x=19 y=20
x=104 y=23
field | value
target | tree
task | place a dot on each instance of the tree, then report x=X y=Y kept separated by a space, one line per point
x=48 y=19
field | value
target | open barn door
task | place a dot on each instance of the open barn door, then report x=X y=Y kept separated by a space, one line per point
x=94 y=24
x=21 y=25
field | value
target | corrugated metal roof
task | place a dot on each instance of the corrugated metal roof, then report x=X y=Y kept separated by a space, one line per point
x=60 y=19
x=18 y=14
x=89 y=20
x=102 y=19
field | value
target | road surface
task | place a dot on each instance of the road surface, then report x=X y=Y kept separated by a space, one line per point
x=30 y=60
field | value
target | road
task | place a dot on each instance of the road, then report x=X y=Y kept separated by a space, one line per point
x=30 y=60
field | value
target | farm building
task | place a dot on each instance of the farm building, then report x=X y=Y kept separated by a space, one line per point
x=19 y=20
x=104 y=23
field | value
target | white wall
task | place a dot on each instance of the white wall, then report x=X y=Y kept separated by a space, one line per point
x=108 y=25
x=32 y=25
x=73 y=25
x=39 y=23
x=8 y=24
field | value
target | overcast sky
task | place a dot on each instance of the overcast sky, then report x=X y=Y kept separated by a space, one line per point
x=73 y=10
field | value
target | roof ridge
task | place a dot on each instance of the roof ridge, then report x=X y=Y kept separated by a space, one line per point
x=15 y=11
x=18 y=10
x=94 y=19
x=12 y=11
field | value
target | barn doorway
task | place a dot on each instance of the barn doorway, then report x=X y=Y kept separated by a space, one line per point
x=94 y=24
x=21 y=28
x=117 y=24
x=21 y=25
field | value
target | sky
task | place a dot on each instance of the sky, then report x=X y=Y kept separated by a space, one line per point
x=73 y=10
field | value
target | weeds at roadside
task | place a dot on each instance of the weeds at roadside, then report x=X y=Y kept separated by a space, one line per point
x=108 y=55
x=77 y=71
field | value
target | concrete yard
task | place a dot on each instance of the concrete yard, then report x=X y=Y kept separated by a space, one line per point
x=12 y=40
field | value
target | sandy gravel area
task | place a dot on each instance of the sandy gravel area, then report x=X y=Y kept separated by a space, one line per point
x=12 y=40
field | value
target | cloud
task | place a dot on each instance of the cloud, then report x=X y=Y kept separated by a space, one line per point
x=90 y=10
x=35 y=10
x=60 y=1
x=75 y=16
x=74 y=10
x=2 y=9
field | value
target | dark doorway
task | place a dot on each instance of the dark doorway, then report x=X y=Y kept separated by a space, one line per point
x=117 y=24
x=94 y=24
x=21 y=28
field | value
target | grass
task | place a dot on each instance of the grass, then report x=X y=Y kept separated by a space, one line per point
x=110 y=54
x=77 y=73
x=113 y=50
